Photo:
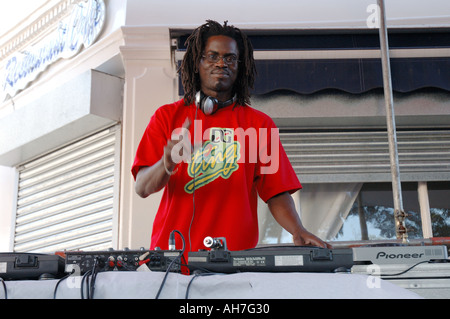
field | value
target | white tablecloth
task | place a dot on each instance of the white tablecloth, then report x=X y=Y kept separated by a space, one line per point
x=145 y=285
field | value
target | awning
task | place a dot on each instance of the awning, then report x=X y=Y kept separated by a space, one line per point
x=309 y=63
x=350 y=75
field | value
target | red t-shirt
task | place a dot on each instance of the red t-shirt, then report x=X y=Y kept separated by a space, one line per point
x=241 y=158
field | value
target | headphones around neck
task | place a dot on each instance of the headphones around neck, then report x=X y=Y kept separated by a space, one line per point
x=209 y=105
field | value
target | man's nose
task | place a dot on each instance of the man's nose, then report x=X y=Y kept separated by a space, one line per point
x=221 y=62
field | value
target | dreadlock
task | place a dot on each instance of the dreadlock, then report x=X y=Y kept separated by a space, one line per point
x=195 y=45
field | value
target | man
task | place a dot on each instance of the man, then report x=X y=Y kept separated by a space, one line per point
x=213 y=190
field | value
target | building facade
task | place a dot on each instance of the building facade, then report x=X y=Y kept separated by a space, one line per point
x=81 y=79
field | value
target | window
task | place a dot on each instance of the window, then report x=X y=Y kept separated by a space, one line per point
x=355 y=212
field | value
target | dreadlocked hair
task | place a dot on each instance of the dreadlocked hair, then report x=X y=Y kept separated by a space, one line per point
x=195 y=45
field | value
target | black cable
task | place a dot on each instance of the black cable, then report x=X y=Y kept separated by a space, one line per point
x=195 y=276
x=172 y=263
x=85 y=277
x=406 y=270
x=59 y=281
x=193 y=190
x=4 y=288
x=94 y=278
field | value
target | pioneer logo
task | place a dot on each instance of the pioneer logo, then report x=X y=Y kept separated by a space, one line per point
x=384 y=255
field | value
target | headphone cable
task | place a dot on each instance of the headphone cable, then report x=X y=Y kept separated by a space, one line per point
x=193 y=190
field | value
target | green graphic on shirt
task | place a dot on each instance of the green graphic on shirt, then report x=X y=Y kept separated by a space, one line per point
x=211 y=161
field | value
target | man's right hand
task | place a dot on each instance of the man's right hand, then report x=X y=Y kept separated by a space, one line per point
x=151 y=179
x=178 y=147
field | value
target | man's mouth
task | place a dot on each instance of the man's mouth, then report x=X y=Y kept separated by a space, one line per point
x=221 y=73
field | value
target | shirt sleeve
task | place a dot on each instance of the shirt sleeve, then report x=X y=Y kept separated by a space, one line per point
x=151 y=147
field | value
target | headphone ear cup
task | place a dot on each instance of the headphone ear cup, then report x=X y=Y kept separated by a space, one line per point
x=209 y=105
x=198 y=99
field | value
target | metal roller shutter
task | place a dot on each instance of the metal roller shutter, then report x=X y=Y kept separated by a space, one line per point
x=66 y=198
x=364 y=156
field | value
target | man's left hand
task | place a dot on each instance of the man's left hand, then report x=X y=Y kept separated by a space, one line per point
x=305 y=238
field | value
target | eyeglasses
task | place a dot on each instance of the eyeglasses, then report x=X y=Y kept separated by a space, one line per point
x=228 y=59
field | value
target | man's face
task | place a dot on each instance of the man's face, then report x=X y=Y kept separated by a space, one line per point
x=217 y=78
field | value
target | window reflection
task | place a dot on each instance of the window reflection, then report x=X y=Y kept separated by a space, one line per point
x=369 y=214
x=372 y=214
x=439 y=198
